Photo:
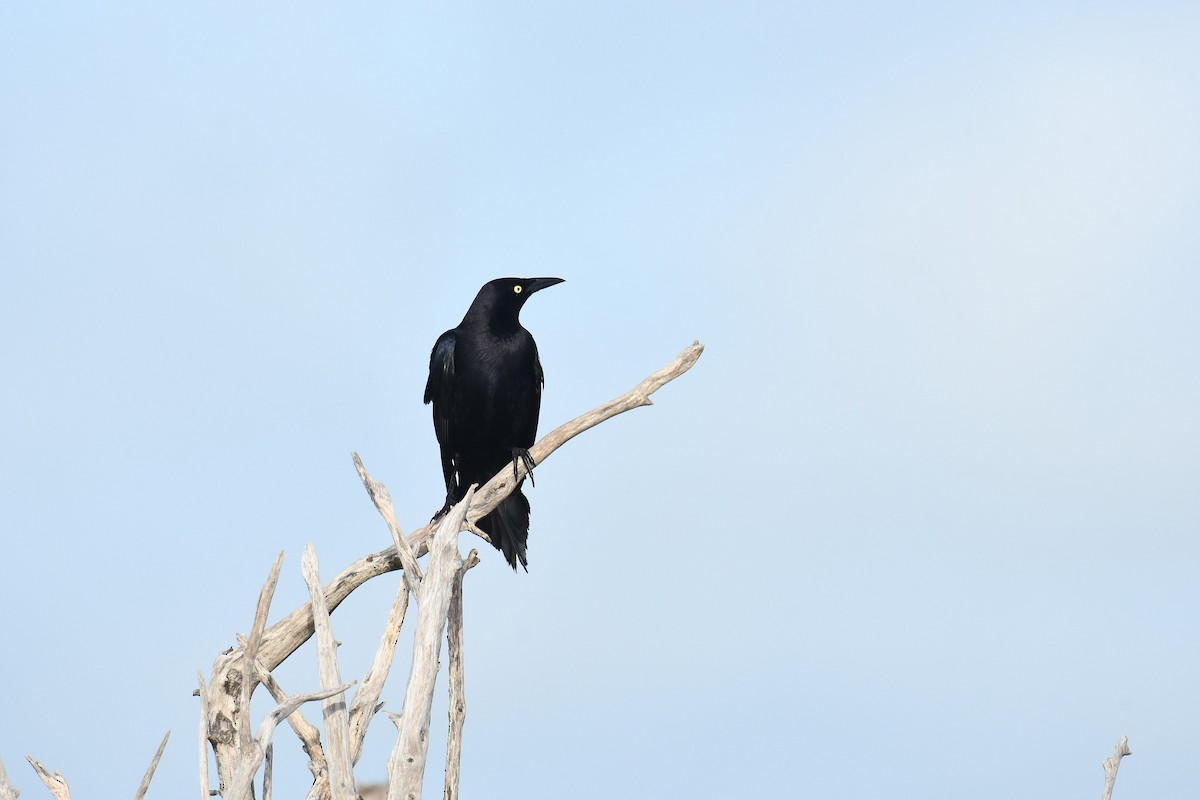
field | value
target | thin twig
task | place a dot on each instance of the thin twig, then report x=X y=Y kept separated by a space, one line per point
x=337 y=730
x=1110 y=767
x=56 y=783
x=149 y=776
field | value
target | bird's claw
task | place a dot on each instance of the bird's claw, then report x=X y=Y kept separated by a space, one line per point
x=441 y=512
x=522 y=455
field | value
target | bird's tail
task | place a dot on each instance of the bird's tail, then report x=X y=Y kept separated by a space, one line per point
x=508 y=527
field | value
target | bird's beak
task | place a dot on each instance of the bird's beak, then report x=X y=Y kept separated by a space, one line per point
x=537 y=284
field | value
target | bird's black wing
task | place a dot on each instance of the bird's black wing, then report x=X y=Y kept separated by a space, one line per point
x=539 y=376
x=439 y=390
x=441 y=380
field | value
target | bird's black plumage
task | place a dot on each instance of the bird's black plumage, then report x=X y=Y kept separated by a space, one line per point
x=485 y=383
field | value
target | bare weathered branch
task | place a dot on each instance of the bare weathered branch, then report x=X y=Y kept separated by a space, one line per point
x=337 y=731
x=457 y=675
x=149 y=776
x=310 y=737
x=383 y=503
x=367 y=697
x=282 y=638
x=222 y=721
x=56 y=783
x=251 y=648
x=269 y=770
x=7 y=790
x=406 y=766
x=502 y=485
x=239 y=789
x=202 y=693
x=1110 y=767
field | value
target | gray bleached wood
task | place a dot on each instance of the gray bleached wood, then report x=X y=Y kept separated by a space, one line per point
x=283 y=638
x=7 y=790
x=1110 y=767
x=383 y=503
x=366 y=699
x=337 y=725
x=268 y=771
x=202 y=693
x=56 y=783
x=145 y=784
x=239 y=788
x=310 y=737
x=456 y=672
x=406 y=767
x=501 y=486
x=250 y=647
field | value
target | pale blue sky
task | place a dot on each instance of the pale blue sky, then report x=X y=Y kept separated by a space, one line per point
x=922 y=522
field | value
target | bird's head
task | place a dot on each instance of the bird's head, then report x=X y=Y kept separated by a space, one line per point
x=500 y=300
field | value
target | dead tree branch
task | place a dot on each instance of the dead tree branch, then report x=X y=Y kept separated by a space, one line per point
x=7 y=790
x=202 y=693
x=310 y=737
x=501 y=486
x=239 y=789
x=223 y=718
x=457 y=675
x=149 y=776
x=56 y=783
x=383 y=503
x=406 y=767
x=337 y=725
x=366 y=699
x=282 y=638
x=269 y=771
x=263 y=607
x=1110 y=767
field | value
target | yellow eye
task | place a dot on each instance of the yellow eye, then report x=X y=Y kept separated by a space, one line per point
x=517 y=289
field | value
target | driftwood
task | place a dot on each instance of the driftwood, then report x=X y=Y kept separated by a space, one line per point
x=225 y=721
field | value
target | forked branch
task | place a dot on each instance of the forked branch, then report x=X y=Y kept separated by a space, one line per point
x=56 y=783
x=233 y=679
x=282 y=638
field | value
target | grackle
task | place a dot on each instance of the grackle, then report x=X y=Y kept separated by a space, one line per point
x=485 y=383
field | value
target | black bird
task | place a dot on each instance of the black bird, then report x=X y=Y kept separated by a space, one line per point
x=485 y=383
